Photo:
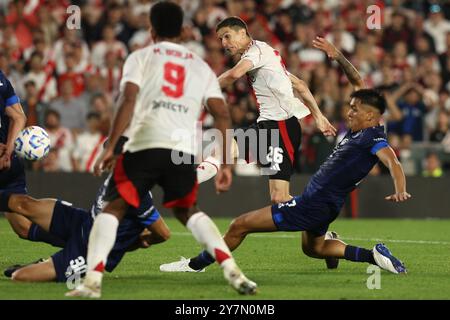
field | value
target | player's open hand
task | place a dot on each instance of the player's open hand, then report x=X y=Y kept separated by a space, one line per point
x=223 y=179
x=105 y=162
x=398 y=197
x=326 y=46
x=325 y=126
x=5 y=161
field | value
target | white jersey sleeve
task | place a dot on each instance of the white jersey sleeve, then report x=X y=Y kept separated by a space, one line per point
x=132 y=71
x=256 y=56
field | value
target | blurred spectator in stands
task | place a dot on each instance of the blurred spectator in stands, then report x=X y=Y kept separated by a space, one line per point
x=432 y=166
x=61 y=140
x=442 y=128
x=101 y=105
x=94 y=84
x=13 y=76
x=39 y=45
x=413 y=109
x=341 y=38
x=45 y=82
x=77 y=78
x=191 y=39
x=22 y=19
x=88 y=144
x=437 y=27
x=50 y=163
x=48 y=25
x=109 y=43
x=32 y=106
x=111 y=72
x=142 y=38
x=397 y=31
x=115 y=17
x=71 y=110
x=71 y=43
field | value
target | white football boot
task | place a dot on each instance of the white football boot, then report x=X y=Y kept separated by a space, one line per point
x=237 y=279
x=90 y=288
x=385 y=260
x=178 y=266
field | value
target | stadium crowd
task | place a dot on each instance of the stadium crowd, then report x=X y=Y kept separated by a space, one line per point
x=68 y=79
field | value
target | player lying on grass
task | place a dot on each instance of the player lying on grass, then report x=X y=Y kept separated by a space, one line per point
x=362 y=147
x=60 y=224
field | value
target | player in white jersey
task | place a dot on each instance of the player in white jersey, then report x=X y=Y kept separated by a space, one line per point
x=163 y=88
x=279 y=109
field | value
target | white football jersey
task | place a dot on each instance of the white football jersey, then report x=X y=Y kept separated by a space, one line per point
x=271 y=84
x=173 y=83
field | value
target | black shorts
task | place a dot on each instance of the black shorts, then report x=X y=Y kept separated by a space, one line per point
x=136 y=173
x=278 y=143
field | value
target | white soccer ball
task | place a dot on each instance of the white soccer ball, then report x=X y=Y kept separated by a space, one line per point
x=32 y=143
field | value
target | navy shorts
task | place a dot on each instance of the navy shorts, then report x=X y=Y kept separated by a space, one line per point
x=299 y=214
x=13 y=180
x=73 y=225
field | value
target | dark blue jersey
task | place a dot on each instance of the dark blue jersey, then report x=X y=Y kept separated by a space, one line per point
x=134 y=222
x=350 y=162
x=7 y=98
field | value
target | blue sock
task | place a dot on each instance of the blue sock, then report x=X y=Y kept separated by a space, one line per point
x=201 y=261
x=358 y=254
x=37 y=234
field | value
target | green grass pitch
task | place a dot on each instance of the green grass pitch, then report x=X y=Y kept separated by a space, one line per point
x=274 y=261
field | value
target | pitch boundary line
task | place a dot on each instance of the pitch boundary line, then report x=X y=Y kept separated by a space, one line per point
x=289 y=236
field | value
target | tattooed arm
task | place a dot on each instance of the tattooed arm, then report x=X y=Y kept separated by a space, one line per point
x=333 y=53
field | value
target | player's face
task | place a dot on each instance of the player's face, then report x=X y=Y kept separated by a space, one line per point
x=231 y=39
x=356 y=115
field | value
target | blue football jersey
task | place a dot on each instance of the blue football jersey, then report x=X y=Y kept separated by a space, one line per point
x=7 y=98
x=351 y=161
x=134 y=222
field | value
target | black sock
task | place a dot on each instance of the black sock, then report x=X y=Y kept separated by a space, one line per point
x=4 y=199
x=201 y=261
x=38 y=234
x=358 y=254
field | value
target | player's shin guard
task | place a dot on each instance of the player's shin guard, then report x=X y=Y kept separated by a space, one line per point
x=101 y=242
x=207 y=234
x=207 y=169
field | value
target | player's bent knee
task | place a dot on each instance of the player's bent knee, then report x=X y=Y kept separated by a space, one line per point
x=238 y=227
x=313 y=252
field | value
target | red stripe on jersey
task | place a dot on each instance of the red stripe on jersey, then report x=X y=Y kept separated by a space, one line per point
x=185 y=202
x=286 y=139
x=124 y=186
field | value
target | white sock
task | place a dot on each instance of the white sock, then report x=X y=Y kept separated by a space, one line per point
x=101 y=242
x=207 y=169
x=207 y=234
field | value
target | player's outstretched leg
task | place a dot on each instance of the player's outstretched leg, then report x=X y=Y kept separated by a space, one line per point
x=255 y=221
x=318 y=247
x=206 y=233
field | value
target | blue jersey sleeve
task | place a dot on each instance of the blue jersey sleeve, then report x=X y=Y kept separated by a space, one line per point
x=8 y=92
x=374 y=140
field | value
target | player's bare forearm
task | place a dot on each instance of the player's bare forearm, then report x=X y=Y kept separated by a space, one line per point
x=17 y=122
x=230 y=76
x=390 y=160
x=333 y=53
x=222 y=121
x=350 y=71
x=122 y=119
x=302 y=90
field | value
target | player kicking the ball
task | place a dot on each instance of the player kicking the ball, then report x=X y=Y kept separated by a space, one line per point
x=279 y=110
x=162 y=90
x=311 y=212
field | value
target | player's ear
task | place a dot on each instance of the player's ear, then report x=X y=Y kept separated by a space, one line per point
x=153 y=34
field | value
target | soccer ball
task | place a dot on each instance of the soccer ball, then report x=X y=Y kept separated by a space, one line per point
x=32 y=143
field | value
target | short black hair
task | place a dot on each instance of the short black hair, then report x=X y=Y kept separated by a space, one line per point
x=166 y=19
x=93 y=115
x=371 y=98
x=235 y=23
